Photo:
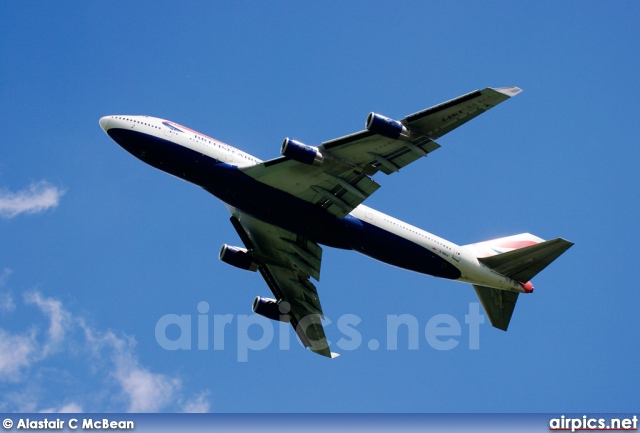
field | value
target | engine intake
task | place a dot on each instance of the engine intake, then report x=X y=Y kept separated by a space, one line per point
x=386 y=127
x=271 y=309
x=301 y=152
x=238 y=257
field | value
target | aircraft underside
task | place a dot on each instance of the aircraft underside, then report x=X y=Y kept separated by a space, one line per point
x=275 y=207
x=283 y=209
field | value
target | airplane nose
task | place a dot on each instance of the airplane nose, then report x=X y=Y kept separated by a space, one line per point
x=104 y=123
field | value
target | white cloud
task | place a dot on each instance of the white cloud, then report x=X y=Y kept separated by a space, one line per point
x=198 y=404
x=105 y=356
x=145 y=391
x=68 y=408
x=4 y=276
x=19 y=351
x=6 y=303
x=38 y=197
x=16 y=352
x=6 y=300
x=59 y=319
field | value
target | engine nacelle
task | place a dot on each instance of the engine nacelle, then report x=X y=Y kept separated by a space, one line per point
x=386 y=127
x=270 y=309
x=238 y=257
x=301 y=152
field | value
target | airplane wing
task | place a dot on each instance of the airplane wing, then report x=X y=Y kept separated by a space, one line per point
x=340 y=178
x=287 y=261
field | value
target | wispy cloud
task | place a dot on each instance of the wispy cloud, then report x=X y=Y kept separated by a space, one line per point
x=6 y=303
x=59 y=319
x=144 y=390
x=67 y=408
x=4 y=276
x=16 y=352
x=112 y=357
x=38 y=197
x=6 y=300
x=198 y=404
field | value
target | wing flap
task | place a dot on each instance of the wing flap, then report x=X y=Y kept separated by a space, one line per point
x=337 y=186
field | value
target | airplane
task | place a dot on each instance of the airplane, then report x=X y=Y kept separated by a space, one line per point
x=285 y=208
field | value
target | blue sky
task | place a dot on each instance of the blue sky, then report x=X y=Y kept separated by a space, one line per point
x=96 y=247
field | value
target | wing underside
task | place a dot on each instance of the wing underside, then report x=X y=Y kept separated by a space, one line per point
x=343 y=180
x=287 y=262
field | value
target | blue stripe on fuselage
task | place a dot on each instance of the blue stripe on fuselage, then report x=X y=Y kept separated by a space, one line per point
x=395 y=250
x=279 y=208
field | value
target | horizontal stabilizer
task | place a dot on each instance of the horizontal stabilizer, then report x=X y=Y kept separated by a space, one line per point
x=498 y=305
x=524 y=263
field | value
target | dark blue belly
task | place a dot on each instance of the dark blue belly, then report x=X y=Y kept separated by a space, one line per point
x=279 y=208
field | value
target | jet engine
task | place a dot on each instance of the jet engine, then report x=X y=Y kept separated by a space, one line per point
x=386 y=127
x=238 y=257
x=270 y=309
x=301 y=152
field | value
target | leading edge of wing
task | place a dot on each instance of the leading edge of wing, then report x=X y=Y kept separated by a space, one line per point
x=443 y=118
x=342 y=179
x=509 y=92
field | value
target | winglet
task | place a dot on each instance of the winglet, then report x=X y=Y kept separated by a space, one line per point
x=334 y=355
x=508 y=91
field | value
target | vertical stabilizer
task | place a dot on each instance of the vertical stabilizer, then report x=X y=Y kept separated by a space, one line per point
x=503 y=245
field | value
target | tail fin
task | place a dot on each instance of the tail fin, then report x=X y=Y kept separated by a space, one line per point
x=503 y=245
x=520 y=257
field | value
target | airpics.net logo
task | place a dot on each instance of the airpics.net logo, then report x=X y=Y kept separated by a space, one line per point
x=251 y=333
x=591 y=423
